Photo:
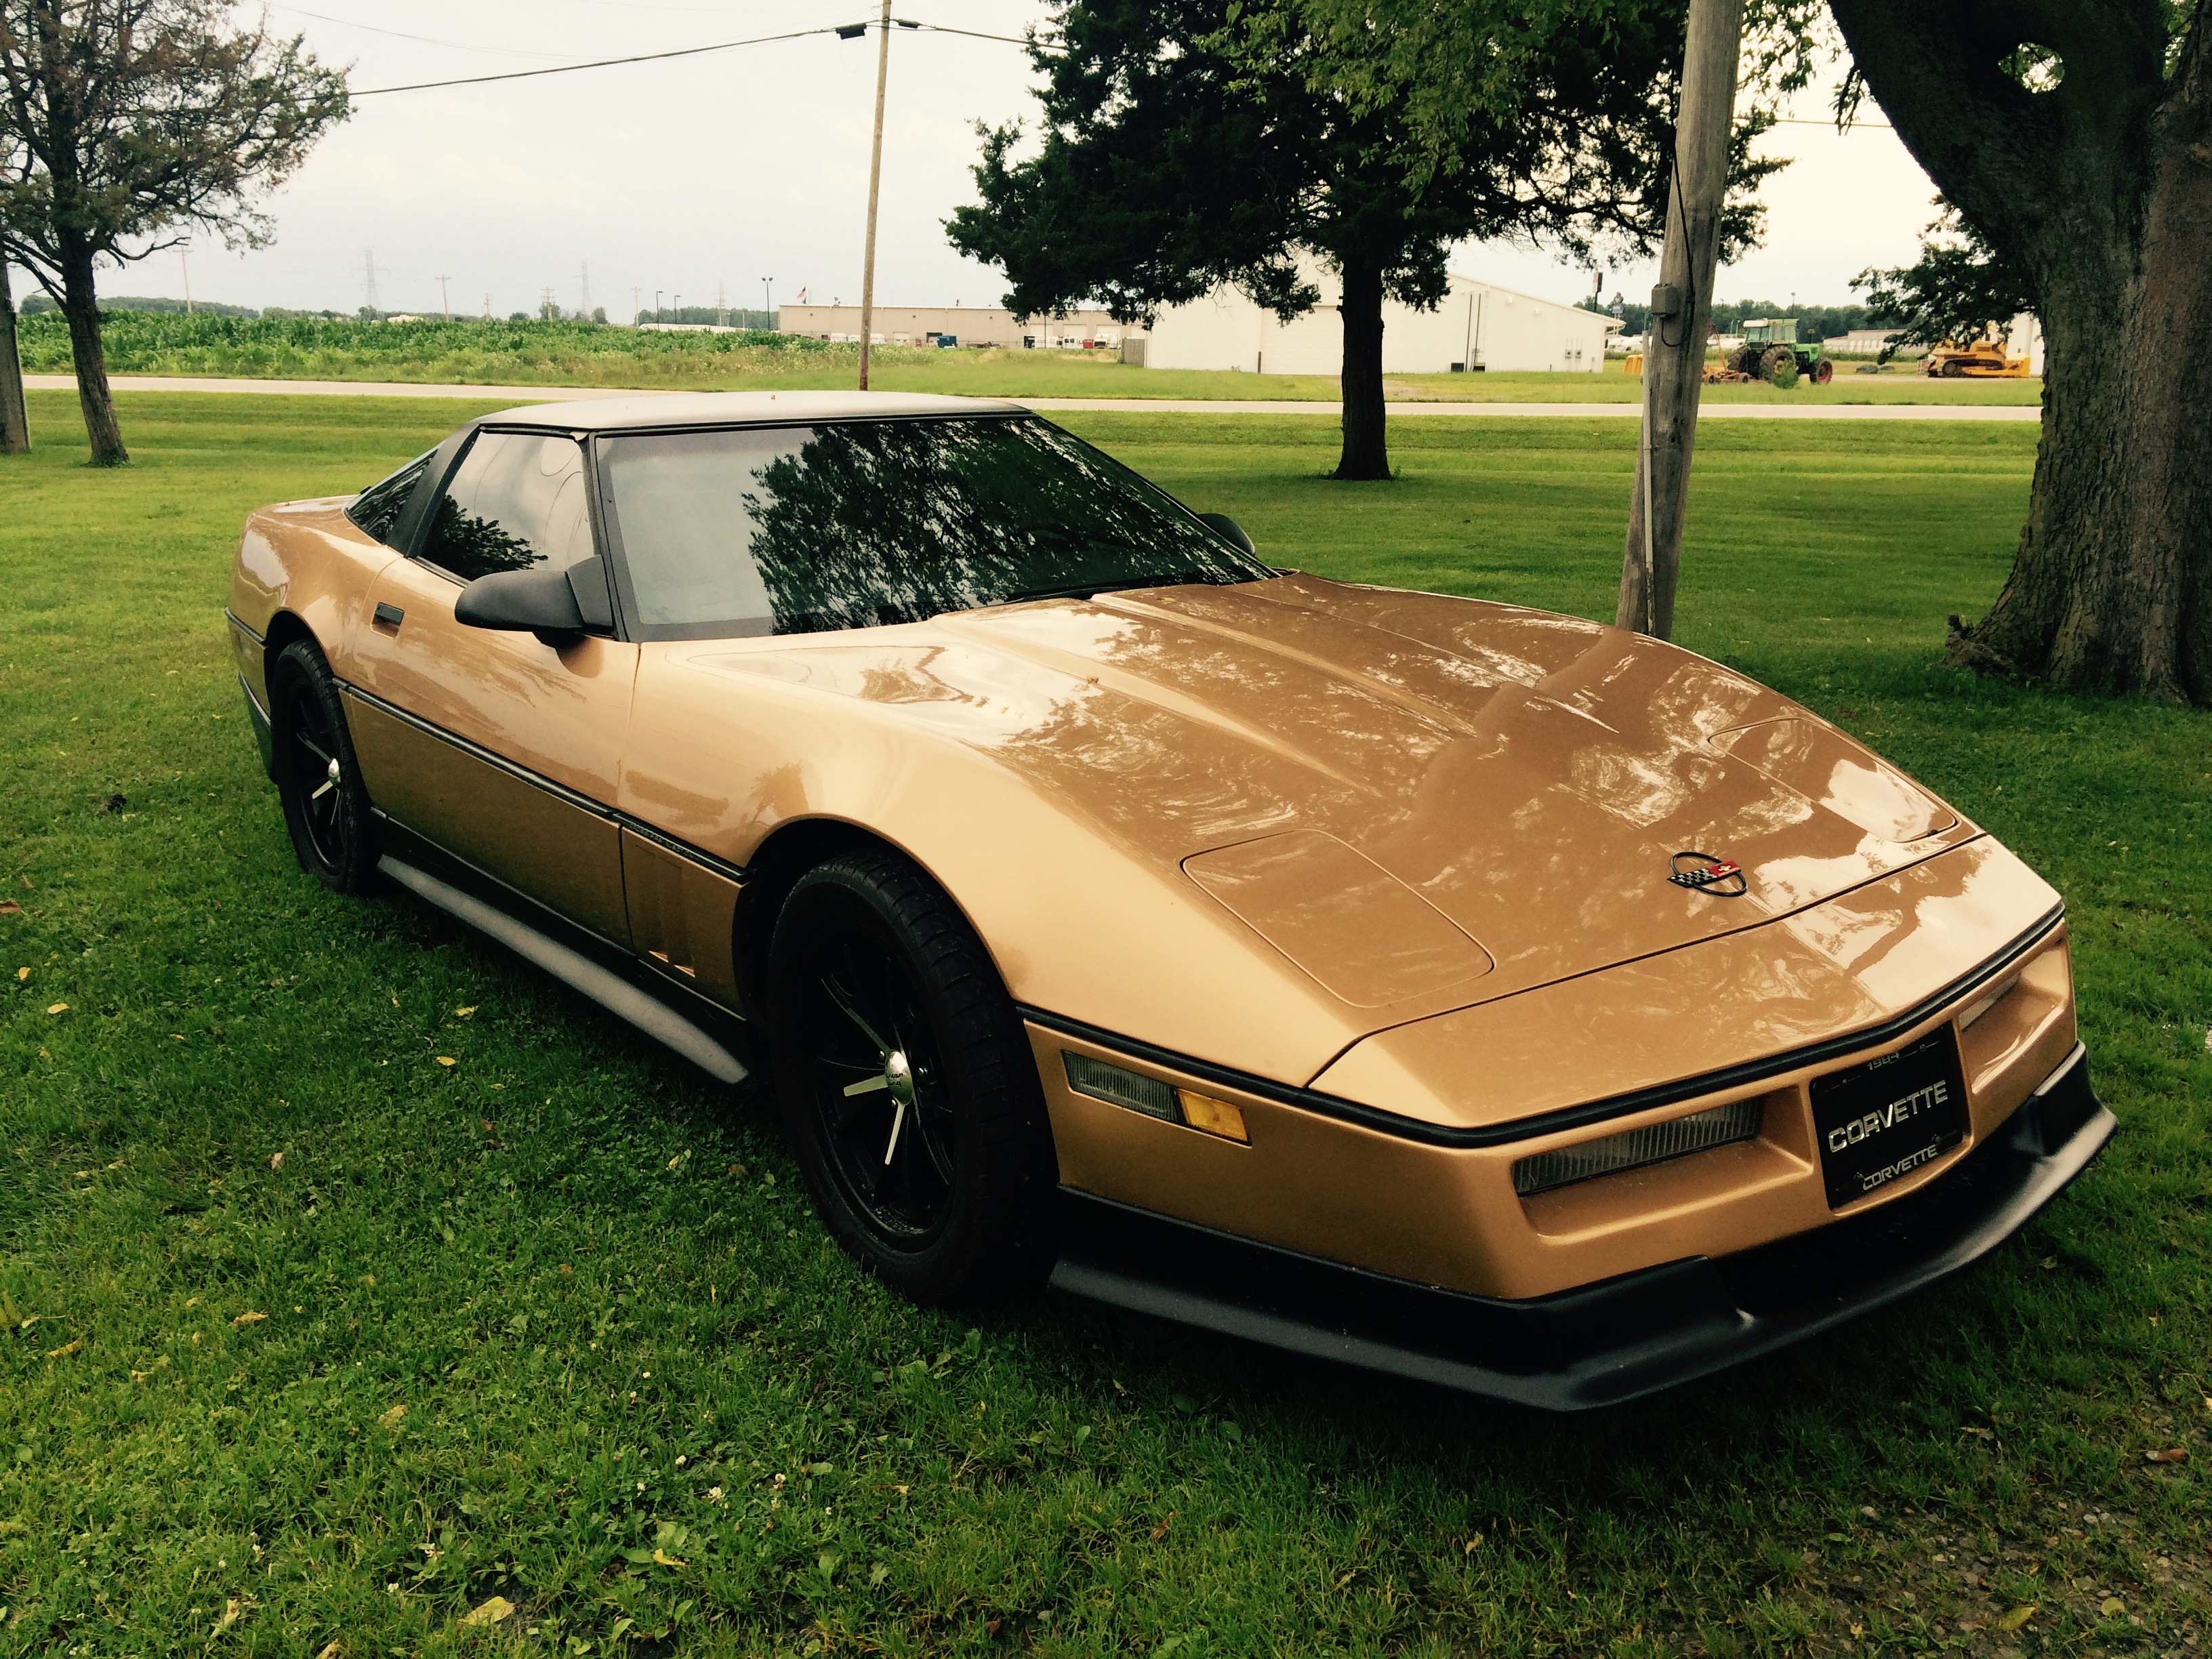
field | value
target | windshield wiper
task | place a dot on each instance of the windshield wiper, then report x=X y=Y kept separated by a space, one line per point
x=1084 y=590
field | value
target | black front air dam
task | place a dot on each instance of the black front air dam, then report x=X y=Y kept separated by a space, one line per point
x=1604 y=1343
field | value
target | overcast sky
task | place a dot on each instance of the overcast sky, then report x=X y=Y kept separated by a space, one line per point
x=711 y=173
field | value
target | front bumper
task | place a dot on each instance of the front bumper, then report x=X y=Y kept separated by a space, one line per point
x=1601 y=1344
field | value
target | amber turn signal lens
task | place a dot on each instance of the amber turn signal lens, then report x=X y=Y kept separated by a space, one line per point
x=1148 y=1095
x=1216 y=1117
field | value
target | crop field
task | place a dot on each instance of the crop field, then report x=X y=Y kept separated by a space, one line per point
x=476 y=353
x=363 y=1292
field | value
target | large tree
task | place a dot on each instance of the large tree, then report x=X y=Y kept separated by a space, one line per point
x=2075 y=139
x=1958 y=289
x=127 y=124
x=1192 y=143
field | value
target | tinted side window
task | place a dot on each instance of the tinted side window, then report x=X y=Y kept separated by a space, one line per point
x=377 y=508
x=516 y=501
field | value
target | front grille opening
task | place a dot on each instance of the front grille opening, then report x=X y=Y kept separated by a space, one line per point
x=1632 y=1149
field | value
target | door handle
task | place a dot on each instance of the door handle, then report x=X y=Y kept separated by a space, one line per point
x=390 y=616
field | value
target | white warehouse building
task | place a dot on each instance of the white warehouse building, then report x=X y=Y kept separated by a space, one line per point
x=1480 y=325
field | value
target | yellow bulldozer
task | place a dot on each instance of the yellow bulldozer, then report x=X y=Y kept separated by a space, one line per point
x=1978 y=360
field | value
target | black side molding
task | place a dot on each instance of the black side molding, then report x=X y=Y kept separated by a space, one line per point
x=263 y=738
x=713 y=1038
x=1601 y=1344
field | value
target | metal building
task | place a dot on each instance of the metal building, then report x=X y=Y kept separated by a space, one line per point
x=1480 y=325
x=968 y=325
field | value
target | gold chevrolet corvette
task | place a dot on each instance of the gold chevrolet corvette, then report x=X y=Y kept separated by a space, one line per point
x=1434 y=985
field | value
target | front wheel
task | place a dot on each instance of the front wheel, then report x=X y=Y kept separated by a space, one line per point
x=318 y=777
x=906 y=1083
x=1823 y=372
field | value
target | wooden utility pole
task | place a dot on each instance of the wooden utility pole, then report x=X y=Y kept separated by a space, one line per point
x=1681 y=316
x=875 y=180
x=15 y=422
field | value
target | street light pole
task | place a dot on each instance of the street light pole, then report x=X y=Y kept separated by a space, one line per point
x=445 y=301
x=767 y=300
x=875 y=180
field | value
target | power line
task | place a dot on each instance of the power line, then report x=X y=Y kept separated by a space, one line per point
x=940 y=28
x=422 y=39
x=845 y=29
x=603 y=63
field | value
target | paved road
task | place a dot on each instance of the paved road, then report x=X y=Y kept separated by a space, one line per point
x=1630 y=411
x=540 y=394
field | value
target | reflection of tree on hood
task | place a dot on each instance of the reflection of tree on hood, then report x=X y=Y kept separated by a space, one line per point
x=470 y=547
x=874 y=524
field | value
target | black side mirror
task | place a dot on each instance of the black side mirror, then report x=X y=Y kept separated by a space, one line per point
x=559 y=606
x=1229 y=529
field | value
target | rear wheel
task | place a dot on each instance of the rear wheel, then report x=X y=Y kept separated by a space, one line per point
x=907 y=1086
x=318 y=777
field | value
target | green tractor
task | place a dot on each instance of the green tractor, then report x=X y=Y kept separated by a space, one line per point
x=1771 y=351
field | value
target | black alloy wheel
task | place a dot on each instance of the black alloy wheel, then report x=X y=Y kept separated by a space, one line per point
x=907 y=1086
x=318 y=777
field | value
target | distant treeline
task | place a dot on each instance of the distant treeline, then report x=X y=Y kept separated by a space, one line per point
x=1814 y=322
x=728 y=316
x=37 y=304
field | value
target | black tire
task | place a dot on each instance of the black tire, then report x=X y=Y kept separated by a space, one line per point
x=907 y=1086
x=318 y=777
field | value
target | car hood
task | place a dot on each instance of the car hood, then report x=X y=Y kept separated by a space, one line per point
x=1422 y=801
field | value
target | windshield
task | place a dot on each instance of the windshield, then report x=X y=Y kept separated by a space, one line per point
x=800 y=530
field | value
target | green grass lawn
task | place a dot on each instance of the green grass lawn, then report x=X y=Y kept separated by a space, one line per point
x=556 y=354
x=309 y=1337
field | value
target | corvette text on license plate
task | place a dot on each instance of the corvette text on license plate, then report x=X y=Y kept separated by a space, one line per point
x=1880 y=1121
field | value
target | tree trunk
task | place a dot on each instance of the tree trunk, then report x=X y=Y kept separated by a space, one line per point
x=81 y=305
x=2103 y=190
x=15 y=422
x=1366 y=449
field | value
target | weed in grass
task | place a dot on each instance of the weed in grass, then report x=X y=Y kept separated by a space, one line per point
x=552 y=1326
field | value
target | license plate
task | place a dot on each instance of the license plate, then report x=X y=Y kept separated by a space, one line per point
x=1882 y=1120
